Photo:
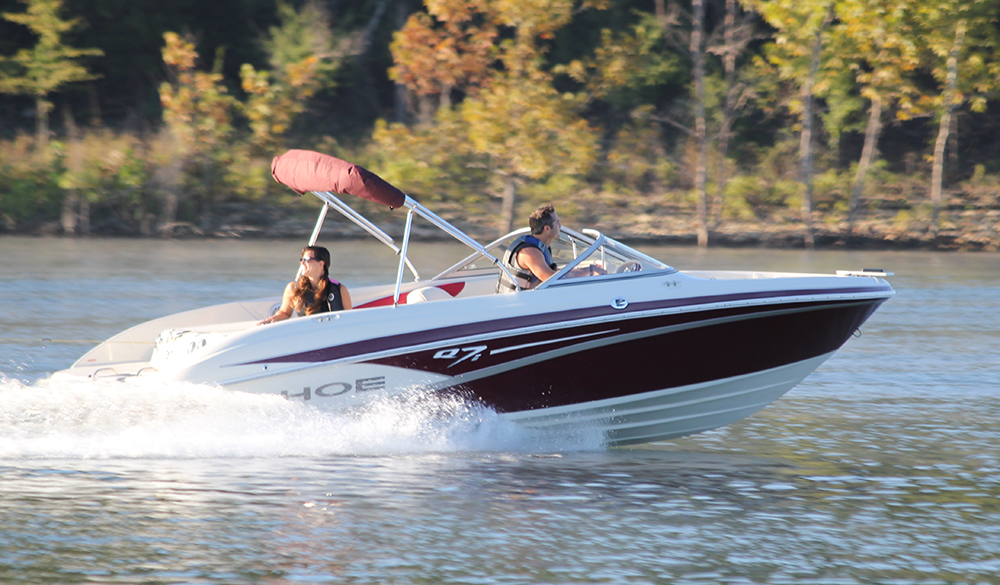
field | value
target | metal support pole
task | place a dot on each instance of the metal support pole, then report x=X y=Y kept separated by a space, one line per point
x=402 y=260
x=319 y=224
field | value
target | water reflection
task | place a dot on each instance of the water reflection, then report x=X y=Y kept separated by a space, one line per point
x=674 y=513
x=881 y=467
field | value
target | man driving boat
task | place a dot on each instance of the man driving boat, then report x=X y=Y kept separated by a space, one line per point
x=529 y=257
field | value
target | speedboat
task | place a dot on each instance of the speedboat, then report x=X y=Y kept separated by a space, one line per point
x=641 y=351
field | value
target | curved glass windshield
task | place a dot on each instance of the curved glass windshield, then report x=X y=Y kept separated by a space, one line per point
x=573 y=249
x=591 y=254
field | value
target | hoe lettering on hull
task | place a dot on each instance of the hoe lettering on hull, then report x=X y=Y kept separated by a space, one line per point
x=337 y=389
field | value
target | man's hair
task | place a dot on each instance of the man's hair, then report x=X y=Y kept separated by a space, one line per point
x=540 y=218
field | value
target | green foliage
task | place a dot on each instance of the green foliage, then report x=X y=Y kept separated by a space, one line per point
x=902 y=220
x=110 y=172
x=831 y=190
x=432 y=161
x=532 y=101
x=29 y=190
x=50 y=64
x=513 y=121
x=272 y=106
x=791 y=192
x=303 y=35
x=746 y=197
x=844 y=106
x=560 y=188
x=636 y=162
x=528 y=129
x=304 y=58
x=248 y=178
x=196 y=105
x=937 y=24
x=627 y=61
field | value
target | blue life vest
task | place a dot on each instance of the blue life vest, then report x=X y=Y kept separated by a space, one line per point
x=510 y=261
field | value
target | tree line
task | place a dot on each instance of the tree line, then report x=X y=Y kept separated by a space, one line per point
x=143 y=116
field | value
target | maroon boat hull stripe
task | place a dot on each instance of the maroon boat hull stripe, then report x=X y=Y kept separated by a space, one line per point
x=497 y=326
x=726 y=348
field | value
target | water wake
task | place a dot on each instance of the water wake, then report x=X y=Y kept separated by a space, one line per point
x=108 y=420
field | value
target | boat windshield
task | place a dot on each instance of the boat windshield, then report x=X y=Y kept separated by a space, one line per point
x=571 y=250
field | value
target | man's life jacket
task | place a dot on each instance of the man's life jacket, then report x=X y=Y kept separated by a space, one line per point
x=524 y=277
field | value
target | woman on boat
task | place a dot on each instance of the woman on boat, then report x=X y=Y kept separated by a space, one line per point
x=314 y=291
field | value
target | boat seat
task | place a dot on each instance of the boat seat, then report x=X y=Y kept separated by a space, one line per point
x=427 y=293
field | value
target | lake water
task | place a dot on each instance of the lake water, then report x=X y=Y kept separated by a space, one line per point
x=882 y=467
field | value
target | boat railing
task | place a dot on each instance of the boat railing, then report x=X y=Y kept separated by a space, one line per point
x=414 y=208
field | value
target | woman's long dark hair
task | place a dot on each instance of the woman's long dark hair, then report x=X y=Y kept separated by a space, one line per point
x=307 y=296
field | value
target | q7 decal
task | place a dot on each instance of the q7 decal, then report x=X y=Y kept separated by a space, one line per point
x=474 y=352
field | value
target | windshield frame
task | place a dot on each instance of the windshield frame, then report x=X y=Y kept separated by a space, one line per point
x=594 y=241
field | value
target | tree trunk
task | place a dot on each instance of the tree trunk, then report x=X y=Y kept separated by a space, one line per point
x=445 y=101
x=74 y=166
x=42 y=108
x=170 y=203
x=363 y=58
x=95 y=106
x=206 y=213
x=937 y=174
x=425 y=110
x=872 y=133
x=72 y=132
x=951 y=151
x=701 y=170
x=69 y=213
x=805 y=142
x=83 y=227
x=401 y=99
x=508 y=206
x=729 y=113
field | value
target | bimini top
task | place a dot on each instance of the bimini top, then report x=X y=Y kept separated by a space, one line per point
x=306 y=170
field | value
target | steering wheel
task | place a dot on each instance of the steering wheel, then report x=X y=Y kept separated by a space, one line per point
x=630 y=266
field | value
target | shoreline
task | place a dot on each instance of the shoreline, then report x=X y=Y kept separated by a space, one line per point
x=754 y=237
x=959 y=230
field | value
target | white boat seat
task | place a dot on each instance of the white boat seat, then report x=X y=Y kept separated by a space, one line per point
x=427 y=293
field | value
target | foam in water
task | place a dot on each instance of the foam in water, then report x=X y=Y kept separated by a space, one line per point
x=108 y=419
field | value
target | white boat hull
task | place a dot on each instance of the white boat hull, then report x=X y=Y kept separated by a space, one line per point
x=614 y=339
x=674 y=412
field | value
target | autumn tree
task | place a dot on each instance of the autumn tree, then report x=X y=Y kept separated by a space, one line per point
x=797 y=53
x=876 y=42
x=513 y=119
x=620 y=69
x=657 y=45
x=305 y=57
x=959 y=39
x=685 y=33
x=738 y=31
x=451 y=48
x=198 y=111
x=696 y=50
x=49 y=65
x=529 y=131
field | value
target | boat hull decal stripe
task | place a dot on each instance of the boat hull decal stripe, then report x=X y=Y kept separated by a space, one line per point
x=663 y=358
x=547 y=321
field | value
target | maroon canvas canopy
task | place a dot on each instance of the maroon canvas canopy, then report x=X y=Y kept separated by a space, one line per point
x=305 y=170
